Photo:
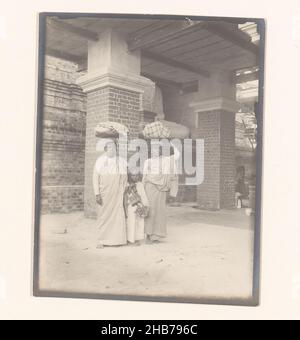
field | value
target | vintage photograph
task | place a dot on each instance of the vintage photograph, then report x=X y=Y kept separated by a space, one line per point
x=149 y=158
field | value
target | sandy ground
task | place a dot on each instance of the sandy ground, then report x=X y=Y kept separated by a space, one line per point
x=206 y=255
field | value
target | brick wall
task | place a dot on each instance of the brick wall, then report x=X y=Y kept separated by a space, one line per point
x=228 y=162
x=107 y=104
x=208 y=193
x=61 y=199
x=63 y=139
x=222 y=127
x=217 y=129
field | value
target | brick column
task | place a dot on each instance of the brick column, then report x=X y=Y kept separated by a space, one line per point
x=114 y=90
x=63 y=139
x=215 y=123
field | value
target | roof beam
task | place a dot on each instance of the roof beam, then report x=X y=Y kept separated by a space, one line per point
x=237 y=37
x=64 y=26
x=172 y=31
x=245 y=77
x=150 y=28
x=166 y=82
x=174 y=63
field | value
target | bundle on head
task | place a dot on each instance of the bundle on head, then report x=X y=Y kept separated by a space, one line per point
x=110 y=130
x=156 y=130
x=161 y=129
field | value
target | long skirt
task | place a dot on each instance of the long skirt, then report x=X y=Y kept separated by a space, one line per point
x=111 y=217
x=135 y=226
x=156 y=222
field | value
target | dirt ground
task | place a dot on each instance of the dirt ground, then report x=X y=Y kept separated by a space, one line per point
x=206 y=255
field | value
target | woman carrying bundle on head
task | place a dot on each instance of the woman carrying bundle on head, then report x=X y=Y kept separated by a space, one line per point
x=159 y=178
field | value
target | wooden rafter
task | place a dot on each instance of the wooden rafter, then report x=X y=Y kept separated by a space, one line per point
x=237 y=37
x=176 y=30
x=245 y=77
x=173 y=31
x=64 y=26
x=149 y=28
x=174 y=63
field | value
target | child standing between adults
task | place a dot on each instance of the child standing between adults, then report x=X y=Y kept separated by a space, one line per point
x=137 y=209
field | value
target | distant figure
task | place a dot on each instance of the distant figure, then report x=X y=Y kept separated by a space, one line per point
x=109 y=182
x=240 y=187
x=137 y=207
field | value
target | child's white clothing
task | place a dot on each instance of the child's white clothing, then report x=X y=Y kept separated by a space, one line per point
x=135 y=223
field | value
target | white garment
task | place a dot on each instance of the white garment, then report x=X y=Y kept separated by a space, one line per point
x=109 y=180
x=135 y=223
x=162 y=172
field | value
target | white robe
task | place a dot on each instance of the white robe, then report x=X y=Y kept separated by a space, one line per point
x=159 y=177
x=109 y=180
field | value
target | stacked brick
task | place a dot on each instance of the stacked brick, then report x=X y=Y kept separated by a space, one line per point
x=217 y=130
x=228 y=160
x=63 y=143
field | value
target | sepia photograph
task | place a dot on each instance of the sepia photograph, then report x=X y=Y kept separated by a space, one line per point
x=149 y=158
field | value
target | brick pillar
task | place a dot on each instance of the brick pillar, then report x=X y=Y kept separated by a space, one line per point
x=215 y=123
x=114 y=90
x=227 y=160
x=63 y=141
